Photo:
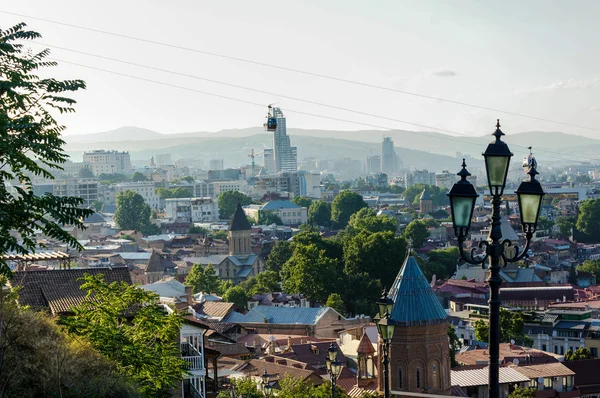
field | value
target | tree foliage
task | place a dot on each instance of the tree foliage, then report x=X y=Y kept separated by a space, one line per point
x=311 y=272
x=335 y=301
x=438 y=194
x=137 y=176
x=344 y=205
x=302 y=201
x=442 y=262
x=127 y=326
x=236 y=295
x=279 y=255
x=175 y=192
x=580 y=354
x=565 y=226
x=523 y=392
x=454 y=344
x=228 y=202
x=319 y=213
x=203 y=279
x=511 y=328
x=264 y=282
x=417 y=232
x=85 y=172
x=132 y=211
x=591 y=266
x=31 y=145
x=588 y=220
x=269 y=218
x=366 y=219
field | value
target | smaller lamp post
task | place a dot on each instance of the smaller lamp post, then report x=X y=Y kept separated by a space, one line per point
x=267 y=388
x=386 y=327
x=334 y=367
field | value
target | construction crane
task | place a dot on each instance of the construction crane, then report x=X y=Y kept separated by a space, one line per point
x=253 y=155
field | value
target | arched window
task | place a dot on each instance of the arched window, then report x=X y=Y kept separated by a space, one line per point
x=434 y=376
x=399 y=378
x=418 y=378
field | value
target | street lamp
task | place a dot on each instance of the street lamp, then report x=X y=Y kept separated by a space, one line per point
x=334 y=367
x=385 y=326
x=267 y=388
x=462 y=201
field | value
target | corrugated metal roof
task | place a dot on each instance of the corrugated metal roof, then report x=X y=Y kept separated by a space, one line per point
x=280 y=315
x=415 y=303
x=480 y=377
x=135 y=255
x=280 y=204
x=544 y=370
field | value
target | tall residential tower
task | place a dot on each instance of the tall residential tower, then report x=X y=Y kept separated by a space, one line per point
x=389 y=160
x=284 y=156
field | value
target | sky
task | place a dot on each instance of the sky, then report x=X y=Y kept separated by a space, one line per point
x=536 y=58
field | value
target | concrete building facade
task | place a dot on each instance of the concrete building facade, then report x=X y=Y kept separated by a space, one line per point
x=108 y=162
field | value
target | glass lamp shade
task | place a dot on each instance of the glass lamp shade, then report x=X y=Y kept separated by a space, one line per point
x=386 y=328
x=496 y=167
x=385 y=305
x=530 y=194
x=328 y=364
x=336 y=368
x=331 y=353
x=265 y=378
x=462 y=210
x=268 y=389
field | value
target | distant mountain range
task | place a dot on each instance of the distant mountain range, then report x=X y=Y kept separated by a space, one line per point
x=429 y=150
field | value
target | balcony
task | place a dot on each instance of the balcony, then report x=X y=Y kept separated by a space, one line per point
x=192 y=357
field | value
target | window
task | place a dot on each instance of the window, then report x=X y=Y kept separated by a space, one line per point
x=418 y=378
x=434 y=376
x=562 y=350
x=399 y=378
x=544 y=347
x=594 y=352
x=547 y=383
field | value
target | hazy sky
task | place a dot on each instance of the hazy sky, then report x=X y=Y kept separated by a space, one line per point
x=538 y=58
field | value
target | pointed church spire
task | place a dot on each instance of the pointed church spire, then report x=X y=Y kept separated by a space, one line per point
x=239 y=221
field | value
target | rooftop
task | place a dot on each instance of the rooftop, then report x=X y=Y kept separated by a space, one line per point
x=239 y=221
x=280 y=315
x=415 y=303
x=556 y=369
x=479 y=377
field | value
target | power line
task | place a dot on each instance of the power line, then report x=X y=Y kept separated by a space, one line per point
x=284 y=96
x=262 y=105
x=288 y=69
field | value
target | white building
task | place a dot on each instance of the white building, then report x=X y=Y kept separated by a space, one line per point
x=216 y=164
x=419 y=177
x=163 y=159
x=289 y=213
x=445 y=179
x=108 y=162
x=147 y=191
x=268 y=160
x=310 y=185
x=192 y=210
x=203 y=189
x=223 y=186
x=74 y=169
x=85 y=188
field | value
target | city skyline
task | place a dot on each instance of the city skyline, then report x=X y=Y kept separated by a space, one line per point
x=482 y=44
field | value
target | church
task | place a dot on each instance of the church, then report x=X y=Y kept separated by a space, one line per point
x=240 y=264
x=419 y=351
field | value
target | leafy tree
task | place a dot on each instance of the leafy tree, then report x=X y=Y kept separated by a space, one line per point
x=219 y=234
x=366 y=219
x=319 y=213
x=31 y=145
x=588 y=220
x=279 y=255
x=266 y=282
x=438 y=195
x=565 y=226
x=335 y=301
x=137 y=176
x=241 y=387
x=416 y=231
x=198 y=230
x=85 y=172
x=454 y=344
x=236 y=295
x=359 y=292
x=132 y=212
x=511 y=328
x=228 y=202
x=127 y=326
x=344 y=205
x=177 y=192
x=203 y=279
x=311 y=272
x=302 y=201
x=580 y=354
x=545 y=224
x=366 y=252
x=38 y=359
x=268 y=218
x=225 y=284
x=591 y=266
x=112 y=178
x=444 y=261
x=97 y=205
x=523 y=392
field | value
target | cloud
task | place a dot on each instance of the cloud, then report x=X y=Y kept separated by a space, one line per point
x=444 y=72
x=562 y=85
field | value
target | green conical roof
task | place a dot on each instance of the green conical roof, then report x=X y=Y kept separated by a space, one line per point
x=415 y=303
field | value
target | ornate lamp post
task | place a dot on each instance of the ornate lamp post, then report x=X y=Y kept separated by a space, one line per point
x=267 y=388
x=462 y=201
x=385 y=326
x=334 y=367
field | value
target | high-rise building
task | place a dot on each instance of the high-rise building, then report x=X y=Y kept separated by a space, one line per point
x=285 y=156
x=269 y=161
x=388 y=157
x=84 y=188
x=373 y=164
x=216 y=164
x=163 y=159
x=108 y=162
